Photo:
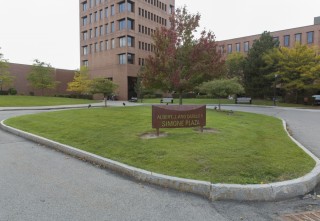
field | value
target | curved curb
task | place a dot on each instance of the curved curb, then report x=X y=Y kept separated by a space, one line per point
x=255 y=192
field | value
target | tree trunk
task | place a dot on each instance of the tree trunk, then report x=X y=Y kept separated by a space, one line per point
x=105 y=100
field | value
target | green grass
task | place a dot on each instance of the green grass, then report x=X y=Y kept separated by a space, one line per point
x=29 y=101
x=246 y=149
x=223 y=101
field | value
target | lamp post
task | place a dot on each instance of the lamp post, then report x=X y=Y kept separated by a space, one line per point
x=275 y=90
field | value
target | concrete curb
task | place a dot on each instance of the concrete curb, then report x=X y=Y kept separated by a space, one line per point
x=263 y=192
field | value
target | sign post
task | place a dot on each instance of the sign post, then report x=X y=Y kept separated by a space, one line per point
x=178 y=116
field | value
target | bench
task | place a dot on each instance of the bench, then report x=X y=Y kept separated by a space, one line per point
x=167 y=100
x=242 y=100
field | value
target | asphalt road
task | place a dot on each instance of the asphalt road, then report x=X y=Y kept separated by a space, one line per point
x=38 y=183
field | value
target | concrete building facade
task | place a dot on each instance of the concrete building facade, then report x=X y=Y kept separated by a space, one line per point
x=115 y=37
x=309 y=35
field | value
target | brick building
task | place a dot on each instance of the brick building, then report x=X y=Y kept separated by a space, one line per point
x=305 y=35
x=115 y=37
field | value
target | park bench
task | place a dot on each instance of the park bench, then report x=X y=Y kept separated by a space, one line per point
x=166 y=100
x=133 y=99
x=241 y=100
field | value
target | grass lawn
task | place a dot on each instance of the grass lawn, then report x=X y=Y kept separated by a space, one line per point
x=29 y=101
x=223 y=101
x=245 y=149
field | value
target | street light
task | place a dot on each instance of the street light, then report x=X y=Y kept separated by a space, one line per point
x=275 y=90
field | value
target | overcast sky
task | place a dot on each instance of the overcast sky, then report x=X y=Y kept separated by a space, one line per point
x=49 y=30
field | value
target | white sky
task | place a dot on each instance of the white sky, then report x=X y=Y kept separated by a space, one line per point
x=48 y=30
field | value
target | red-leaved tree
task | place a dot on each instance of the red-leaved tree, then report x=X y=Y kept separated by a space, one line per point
x=181 y=61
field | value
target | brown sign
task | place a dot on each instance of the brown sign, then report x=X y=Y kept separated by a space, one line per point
x=178 y=116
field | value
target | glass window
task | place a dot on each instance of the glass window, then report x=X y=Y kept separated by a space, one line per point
x=122 y=7
x=107 y=45
x=112 y=10
x=91 y=3
x=112 y=27
x=310 y=37
x=101 y=30
x=122 y=42
x=130 y=24
x=84 y=20
x=107 y=28
x=91 y=33
x=122 y=59
x=113 y=45
x=221 y=49
x=106 y=12
x=238 y=47
x=275 y=38
x=101 y=45
x=130 y=58
x=229 y=48
x=96 y=47
x=286 y=40
x=101 y=14
x=84 y=35
x=246 y=46
x=130 y=6
x=130 y=41
x=122 y=24
x=84 y=6
x=297 y=38
x=96 y=32
x=85 y=50
x=96 y=16
x=85 y=63
x=91 y=18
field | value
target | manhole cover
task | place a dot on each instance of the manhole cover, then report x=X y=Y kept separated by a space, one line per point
x=305 y=216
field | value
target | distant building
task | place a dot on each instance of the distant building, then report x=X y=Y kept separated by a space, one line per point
x=21 y=84
x=115 y=37
x=309 y=35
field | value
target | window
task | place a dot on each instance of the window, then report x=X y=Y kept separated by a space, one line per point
x=122 y=24
x=122 y=59
x=96 y=47
x=91 y=3
x=130 y=41
x=96 y=32
x=106 y=12
x=84 y=20
x=84 y=6
x=113 y=43
x=90 y=49
x=101 y=30
x=107 y=45
x=112 y=10
x=229 y=49
x=91 y=33
x=91 y=18
x=85 y=50
x=130 y=24
x=122 y=7
x=238 y=47
x=310 y=37
x=107 y=28
x=286 y=40
x=122 y=42
x=246 y=46
x=112 y=27
x=221 y=49
x=297 y=38
x=275 y=38
x=85 y=63
x=130 y=58
x=96 y=17
x=130 y=6
x=101 y=45
x=101 y=14
x=84 y=35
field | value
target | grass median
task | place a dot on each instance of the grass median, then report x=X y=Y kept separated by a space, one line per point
x=29 y=101
x=244 y=148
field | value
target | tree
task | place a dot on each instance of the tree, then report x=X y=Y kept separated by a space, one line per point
x=6 y=78
x=81 y=82
x=180 y=61
x=103 y=86
x=297 y=68
x=235 y=64
x=255 y=81
x=41 y=76
x=222 y=88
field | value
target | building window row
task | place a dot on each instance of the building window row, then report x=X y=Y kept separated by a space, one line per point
x=146 y=30
x=158 y=4
x=141 y=61
x=297 y=38
x=92 y=3
x=153 y=17
x=146 y=46
x=123 y=41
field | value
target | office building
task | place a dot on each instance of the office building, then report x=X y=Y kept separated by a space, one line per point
x=115 y=37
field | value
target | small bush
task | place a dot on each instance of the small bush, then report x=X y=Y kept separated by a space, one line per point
x=12 y=91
